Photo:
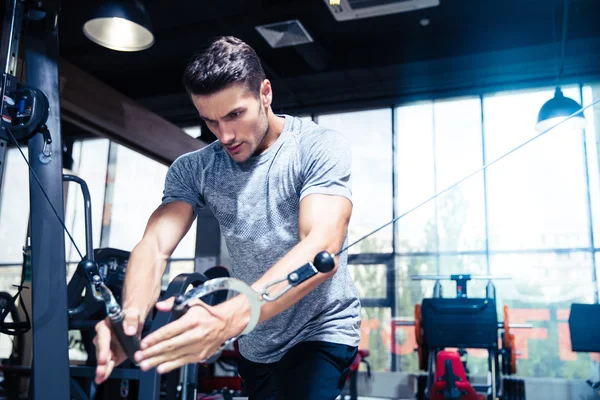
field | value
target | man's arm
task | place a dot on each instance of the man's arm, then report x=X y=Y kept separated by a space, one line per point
x=167 y=225
x=323 y=223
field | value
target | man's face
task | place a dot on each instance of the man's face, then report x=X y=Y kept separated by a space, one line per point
x=237 y=118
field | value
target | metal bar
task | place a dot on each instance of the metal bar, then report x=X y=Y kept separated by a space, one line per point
x=435 y=190
x=109 y=190
x=11 y=31
x=392 y=287
x=208 y=242
x=589 y=205
x=3 y=148
x=396 y=322
x=87 y=208
x=49 y=281
x=118 y=373
x=370 y=258
x=449 y=277
x=561 y=250
x=9 y=47
x=485 y=191
x=375 y=303
x=77 y=391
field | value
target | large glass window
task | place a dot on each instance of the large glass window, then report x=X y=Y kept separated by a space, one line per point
x=541 y=290
x=14 y=207
x=438 y=144
x=137 y=189
x=370 y=136
x=528 y=216
x=592 y=135
x=537 y=196
x=90 y=158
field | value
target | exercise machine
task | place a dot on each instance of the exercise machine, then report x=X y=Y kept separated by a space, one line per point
x=446 y=327
x=584 y=329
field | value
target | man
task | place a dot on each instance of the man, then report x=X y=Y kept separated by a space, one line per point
x=281 y=191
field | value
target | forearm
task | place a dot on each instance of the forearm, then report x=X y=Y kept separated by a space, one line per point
x=143 y=278
x=146 y=266
x=238 y=308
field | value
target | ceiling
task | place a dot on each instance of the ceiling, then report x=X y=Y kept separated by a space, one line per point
x=468 y=46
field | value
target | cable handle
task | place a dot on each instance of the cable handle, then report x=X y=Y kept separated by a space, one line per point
x=130 y=344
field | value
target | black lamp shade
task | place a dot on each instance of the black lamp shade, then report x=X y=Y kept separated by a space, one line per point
x=120 y=25
x=556 y=110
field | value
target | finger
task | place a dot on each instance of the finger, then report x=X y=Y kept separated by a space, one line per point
x=131 y=322
x=165 y=305
x=108 y=370
x=160 y=358
x=167 y=332
x=171 y=346
x=169 y=366
x=103 y=335
x=104 y=371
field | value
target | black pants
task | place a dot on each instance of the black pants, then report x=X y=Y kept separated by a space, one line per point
x=309 y=371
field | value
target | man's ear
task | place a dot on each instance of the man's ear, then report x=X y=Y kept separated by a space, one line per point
x=266 y=93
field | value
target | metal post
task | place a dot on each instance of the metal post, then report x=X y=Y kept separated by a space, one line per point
x=208 y=242
x=3 y=144
x=11 y=29
x=50 y=370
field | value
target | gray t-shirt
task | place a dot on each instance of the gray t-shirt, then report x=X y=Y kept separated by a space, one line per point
x=257 y=205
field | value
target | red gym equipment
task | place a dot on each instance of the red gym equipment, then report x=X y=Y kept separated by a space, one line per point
x=464 y=323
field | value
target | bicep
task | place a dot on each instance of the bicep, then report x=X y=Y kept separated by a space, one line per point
x=167 y=225
x=326 y=218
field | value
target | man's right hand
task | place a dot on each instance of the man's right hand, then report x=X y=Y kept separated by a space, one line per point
x=109 y=352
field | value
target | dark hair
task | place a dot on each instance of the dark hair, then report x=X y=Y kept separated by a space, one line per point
x=222 y=62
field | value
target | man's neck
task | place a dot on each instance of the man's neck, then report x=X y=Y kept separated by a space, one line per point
x=274 y=130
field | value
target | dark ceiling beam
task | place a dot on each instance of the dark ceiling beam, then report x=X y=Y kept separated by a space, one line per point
x=460 y=75
x=93 y=106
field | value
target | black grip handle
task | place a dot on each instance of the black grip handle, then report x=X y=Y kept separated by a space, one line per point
x=175 y=312
x=324 y=262
x=130 y=344
x=459 y=308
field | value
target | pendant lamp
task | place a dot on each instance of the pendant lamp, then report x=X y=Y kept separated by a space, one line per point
x=120 y=25
x=560 y=107
x=556 y=110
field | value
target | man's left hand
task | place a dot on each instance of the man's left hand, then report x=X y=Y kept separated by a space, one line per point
x=193 y=337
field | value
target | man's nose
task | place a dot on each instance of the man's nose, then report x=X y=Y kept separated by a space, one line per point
x=227 y=136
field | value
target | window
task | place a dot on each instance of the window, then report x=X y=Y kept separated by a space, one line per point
x=90 y=158
x=458 y=153
x=541 y=290
x=137 y=188
x=415 y=171
x=592 y=135
x=370 y=136
x=375 y=336
x=538 y=218
x=537 y=196
x=370 y=280
x=14 y=207
x=439 y=143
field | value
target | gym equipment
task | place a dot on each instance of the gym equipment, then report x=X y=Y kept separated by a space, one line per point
x=464 y=323
x=101 y=273
x=323 y=262
x=584 y=328
x=361 y=357
x=49 y=338
x=8 y=307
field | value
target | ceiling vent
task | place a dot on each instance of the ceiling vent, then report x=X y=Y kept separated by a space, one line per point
x=346 y=10
x=283 y=34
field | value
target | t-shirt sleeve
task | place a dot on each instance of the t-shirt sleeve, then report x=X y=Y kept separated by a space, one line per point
x=327 y=165
x=182 y=184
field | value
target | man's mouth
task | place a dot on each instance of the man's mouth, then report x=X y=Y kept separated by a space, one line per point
x=233 y=149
